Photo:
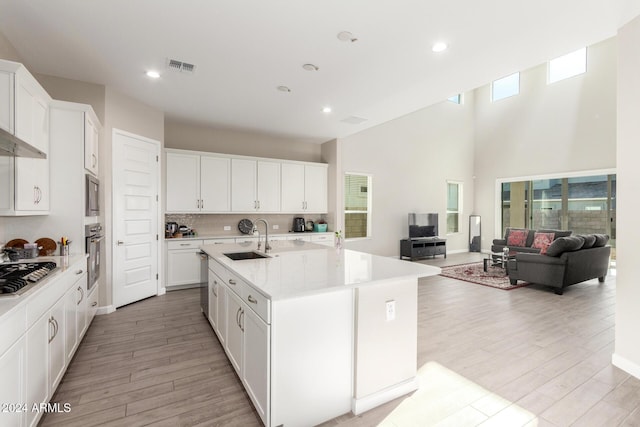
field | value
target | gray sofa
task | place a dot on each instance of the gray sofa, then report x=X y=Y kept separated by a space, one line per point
x=499 y=244
x=569 y=260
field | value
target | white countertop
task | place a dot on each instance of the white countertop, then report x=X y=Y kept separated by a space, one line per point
x=9 y=302
x=240 y=236
x=298 y=268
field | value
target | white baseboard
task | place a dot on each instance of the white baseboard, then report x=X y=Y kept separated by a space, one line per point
x=162 y=291
x=105 y=310
x=358 y=406
x=626 y=365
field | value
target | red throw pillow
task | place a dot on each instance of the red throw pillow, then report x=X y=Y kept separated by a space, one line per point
x=542 y=241
x=517 y=238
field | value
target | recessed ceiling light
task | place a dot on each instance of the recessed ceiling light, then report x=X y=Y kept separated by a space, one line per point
x=310 y=67
x=346 y=36
x=439 y=47
x=153 y=74
x=283 y=89
x=326 y=110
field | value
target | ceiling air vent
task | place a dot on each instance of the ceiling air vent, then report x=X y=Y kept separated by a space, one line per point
x=180 y=66
x=354 y=120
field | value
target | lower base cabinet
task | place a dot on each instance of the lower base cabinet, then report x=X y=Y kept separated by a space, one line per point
x=294 y=361
x=50 y=325
x=12 y=390
x=256 y=361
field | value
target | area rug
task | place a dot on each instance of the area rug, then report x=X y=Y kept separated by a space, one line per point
x=494 y=277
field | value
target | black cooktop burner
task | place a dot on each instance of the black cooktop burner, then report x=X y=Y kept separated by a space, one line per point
x=14 y=277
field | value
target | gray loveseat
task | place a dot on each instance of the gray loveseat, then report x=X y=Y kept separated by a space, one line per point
x=499 y=244
x=569 y=260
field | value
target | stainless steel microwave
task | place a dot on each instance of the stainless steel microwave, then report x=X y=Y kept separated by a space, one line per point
x=92 y=196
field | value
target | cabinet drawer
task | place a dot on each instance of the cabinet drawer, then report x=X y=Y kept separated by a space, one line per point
x=52 y=292
x=219 y=241
x=184 y=244
x=219 y=270
x=258 y=303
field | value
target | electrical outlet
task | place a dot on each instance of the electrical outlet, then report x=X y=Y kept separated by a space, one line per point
x=227 y=228
x=391 y=310
x=276 y=227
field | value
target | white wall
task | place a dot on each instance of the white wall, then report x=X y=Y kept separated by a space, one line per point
x=194 y=136
x=569 y=126
x=627 y=352
x=411 y=159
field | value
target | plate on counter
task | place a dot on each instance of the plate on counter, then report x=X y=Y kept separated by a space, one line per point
x=48 y=246
x=16 y=243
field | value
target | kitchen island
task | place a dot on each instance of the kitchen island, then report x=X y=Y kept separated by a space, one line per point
x=312 y=331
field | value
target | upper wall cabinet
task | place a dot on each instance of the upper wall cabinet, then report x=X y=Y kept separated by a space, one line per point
x=197 y=183
x=24 y=112
x=304 y=188
x=91 y=144
x=200 y=182
x=255 y=185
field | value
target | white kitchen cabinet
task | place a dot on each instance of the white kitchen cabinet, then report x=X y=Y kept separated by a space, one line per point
x=197 y=183
x=91 y=144
x=92 y=305
x=304 y=188
x=71 y=322
x=183 y=262
x=255 y=185
x=57 y=355
x=234 y=341
x=12 y=386
x=213 y=286
x=256 y=361
x=326 y=239
x=24 y=112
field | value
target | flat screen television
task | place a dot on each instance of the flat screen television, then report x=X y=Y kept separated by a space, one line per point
x=423 y=225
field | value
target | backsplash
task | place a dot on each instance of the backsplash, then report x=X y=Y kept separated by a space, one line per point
x=213 y=225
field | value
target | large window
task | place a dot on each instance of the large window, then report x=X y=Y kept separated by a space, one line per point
x=357 y=206
x=568 y=65
x=454 y=206
x=583 y=204
x=505 y=87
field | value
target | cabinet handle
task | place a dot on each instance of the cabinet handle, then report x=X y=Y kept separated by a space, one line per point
x=93 y=304
x=93 y=160
x=232 y=282
x=252 y=300
x=238 y=317
x=213 y=289
x=241 y=321
x=79 y=272
x=81 y=295
x=51 y=325
x=185 y=244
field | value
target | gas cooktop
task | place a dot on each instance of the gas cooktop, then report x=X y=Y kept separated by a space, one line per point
x=15 y=278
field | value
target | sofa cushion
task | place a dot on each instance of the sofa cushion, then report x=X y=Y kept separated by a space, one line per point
x=557 y=233
x=564 y=244
x=517 y=237
x=542 y=241
x=589 y=240
x=601 y=240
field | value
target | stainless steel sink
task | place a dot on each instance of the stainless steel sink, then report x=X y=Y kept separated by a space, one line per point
x=237 y=256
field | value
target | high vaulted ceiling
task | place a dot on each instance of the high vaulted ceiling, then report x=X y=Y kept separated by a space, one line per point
x=244 y=49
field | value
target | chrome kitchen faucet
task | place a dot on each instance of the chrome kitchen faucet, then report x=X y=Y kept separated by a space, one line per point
x=267 y=246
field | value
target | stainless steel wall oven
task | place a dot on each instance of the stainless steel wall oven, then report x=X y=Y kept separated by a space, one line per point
x=93 y=242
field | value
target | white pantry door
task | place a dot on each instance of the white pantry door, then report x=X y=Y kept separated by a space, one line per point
x=136 y=177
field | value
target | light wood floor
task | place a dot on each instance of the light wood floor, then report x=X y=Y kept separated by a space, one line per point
x=486 y=357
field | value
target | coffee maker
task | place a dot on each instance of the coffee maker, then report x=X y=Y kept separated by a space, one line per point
x=170 y=229
x=298 y=224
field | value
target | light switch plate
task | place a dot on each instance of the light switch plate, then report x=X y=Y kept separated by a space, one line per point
x=227 y=228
